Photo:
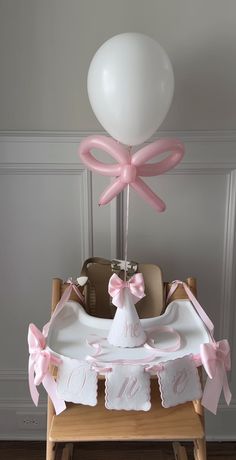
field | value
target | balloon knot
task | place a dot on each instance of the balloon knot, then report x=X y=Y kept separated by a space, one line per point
x=128 y=174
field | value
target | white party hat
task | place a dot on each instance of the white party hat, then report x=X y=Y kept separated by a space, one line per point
x=126 y=329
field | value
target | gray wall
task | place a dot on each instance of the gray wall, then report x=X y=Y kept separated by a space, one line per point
x=46 y=47
x=50 y=221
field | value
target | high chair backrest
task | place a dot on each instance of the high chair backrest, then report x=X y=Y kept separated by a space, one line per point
x=58 y=287
x=97 y=299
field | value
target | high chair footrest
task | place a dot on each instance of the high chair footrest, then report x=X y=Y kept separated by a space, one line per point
x=82 y=423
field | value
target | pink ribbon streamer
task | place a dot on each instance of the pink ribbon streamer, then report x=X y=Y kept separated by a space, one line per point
x=216 y=361
x=96 y=342
x=206 y=320
x=64 y=298
x=39 y=361
x=214 y=356
x=128 y=169
x=117 y=285
x=164 y=351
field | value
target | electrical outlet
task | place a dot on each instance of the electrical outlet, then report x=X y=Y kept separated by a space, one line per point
x=31 y=420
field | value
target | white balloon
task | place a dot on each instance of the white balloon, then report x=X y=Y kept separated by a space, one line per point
x=130 y=87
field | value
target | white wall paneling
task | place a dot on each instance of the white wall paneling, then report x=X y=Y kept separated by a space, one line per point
x=47 y=217
x=50 y=222
x=196 y=236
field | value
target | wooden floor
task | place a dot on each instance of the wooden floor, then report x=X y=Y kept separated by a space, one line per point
x=22 y=450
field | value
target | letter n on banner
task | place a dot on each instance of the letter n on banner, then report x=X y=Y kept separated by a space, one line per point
x=128 y=387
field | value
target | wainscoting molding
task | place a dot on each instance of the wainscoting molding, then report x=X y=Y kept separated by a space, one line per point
x=208 y=153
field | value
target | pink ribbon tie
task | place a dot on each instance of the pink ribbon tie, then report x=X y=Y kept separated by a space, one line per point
x=73 y=287
x=117 y=285
x=216 y=361
x=201 y=313
x=39 y=362
x=214 y=356
x=128 y=169
x=64 y=298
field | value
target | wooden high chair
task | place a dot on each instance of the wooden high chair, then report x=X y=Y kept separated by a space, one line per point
x=80 y=423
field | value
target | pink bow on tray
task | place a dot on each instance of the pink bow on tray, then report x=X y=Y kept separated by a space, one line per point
x=129 y=168
x=39 y=361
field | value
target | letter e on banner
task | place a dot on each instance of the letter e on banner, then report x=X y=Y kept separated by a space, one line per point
x=179 y=381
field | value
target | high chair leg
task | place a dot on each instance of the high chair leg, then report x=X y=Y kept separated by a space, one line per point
x=179 y=451
x=51 y=446
x=67 y=452
x=200 y=449
x=50 y=450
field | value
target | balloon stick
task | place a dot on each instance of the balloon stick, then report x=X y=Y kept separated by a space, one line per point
x=127 y=229
x=127 y=222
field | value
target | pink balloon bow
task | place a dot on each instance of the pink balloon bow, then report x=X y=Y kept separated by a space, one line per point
x=39 y=360
x=116 y=288
x=129 y=168
x=216 y=361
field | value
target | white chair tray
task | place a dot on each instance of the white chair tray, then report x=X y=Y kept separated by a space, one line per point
x=73 y=328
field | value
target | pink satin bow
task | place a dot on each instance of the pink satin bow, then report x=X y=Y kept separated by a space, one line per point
x=64 y=298
x=116 y=287
x=215 y=356
x=39 y=361
x=129 y=168
x=216 y=361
